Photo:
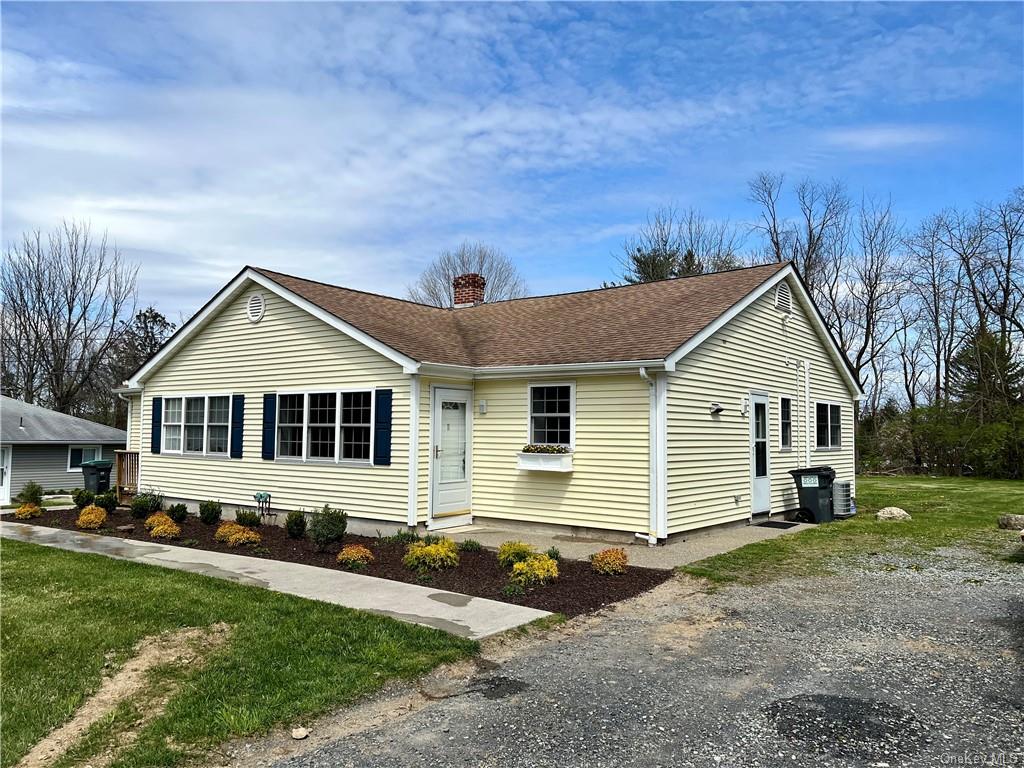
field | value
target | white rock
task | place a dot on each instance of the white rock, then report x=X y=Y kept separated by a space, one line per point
x=299 y=733
x=892 y=513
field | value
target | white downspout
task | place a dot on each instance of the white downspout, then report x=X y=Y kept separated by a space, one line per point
x=653 y=443
x=808 y=415
x=414 y=446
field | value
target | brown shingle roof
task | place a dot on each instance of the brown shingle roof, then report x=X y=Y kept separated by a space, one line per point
x=634 y=322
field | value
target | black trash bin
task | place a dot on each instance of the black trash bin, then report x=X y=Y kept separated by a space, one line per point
x=814 y=488
x=96 y=475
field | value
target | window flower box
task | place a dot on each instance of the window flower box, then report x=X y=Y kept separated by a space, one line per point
x=530 y=458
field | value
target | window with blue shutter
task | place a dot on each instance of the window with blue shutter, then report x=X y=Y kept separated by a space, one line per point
x=382 y=428
x=157 y=414
x=237 y=425
x=269 y=424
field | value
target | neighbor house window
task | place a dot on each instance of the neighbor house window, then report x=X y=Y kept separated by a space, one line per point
x=551 y=414
x=336 y=426
x=197 y=424
x=828 y=425
x=786 y=423
x=79 y=453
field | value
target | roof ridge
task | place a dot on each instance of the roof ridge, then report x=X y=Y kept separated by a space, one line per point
x=265 y=271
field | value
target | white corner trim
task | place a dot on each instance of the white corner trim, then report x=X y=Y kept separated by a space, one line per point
x=414 y=445
x=231 y=291
x=673 y=359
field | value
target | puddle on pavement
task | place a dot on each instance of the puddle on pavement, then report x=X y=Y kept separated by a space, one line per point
x=450 y=598
x=844 y=726
x=499 y=687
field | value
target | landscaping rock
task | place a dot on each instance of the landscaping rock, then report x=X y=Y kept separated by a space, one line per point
x=1012 y=522
x=125 y=528
x=892 y=513
x=299 y=733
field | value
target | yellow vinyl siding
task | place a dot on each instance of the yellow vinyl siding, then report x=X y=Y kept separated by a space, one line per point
x=609 y=485
x=287 y=350
x=709 y=456
x=134 y=424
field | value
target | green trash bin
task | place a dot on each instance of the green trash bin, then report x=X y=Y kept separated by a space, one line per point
x=814 y=488
x=96 y=475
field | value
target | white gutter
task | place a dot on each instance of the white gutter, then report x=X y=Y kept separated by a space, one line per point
x=516 y=371
x=414 y=445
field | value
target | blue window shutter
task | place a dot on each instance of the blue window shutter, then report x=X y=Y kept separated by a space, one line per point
x=382 y=428
x=269 y=424
x=237 y=425
x=157 y=413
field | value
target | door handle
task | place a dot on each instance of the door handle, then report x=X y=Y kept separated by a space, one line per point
x=437 y=451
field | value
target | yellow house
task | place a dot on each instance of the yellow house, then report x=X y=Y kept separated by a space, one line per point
x=642 y=410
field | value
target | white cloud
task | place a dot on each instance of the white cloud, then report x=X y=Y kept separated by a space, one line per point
x=875 y=138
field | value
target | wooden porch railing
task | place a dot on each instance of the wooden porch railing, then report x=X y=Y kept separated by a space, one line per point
x=127 y=475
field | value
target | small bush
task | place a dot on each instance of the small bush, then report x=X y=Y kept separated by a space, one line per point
x=82 y=498
x=554 y=554
x=156 y=519
x=512 y=552
x=106 y=500
x=403 y=536
x=178 y=513
x=166 y=530
x=513 y=590
x=421 y=556
x=210 y=512
x=248 y=517
x=91 y=518
x=28 y=511
x=536 y=570
x=328 y=526
x=32 y=493
x=235 y=535
x=470 y=545
x=610 y=562
x=354 y=557
x=295 y=524
x=145 y=504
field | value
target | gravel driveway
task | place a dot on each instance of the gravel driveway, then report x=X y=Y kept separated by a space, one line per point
x=896 y=661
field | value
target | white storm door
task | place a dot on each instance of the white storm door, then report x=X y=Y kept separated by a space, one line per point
x=5 y=475
x=760 y=490
x=451 y=451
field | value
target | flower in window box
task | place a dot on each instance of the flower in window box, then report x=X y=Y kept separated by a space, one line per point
x=545 y=448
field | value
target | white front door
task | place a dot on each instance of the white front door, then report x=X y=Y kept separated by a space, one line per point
x=449 y=466
x=5 y=475
x=760 y=490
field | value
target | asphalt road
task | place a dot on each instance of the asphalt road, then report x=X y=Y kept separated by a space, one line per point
x=895 y=661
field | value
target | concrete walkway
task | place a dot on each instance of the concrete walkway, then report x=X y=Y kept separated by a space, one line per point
x=679 y=551
x=461 y=615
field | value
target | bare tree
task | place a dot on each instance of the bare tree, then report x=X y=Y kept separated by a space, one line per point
x=65 y=302
x=434 y=285
x=765 y=190
x=1003 y=269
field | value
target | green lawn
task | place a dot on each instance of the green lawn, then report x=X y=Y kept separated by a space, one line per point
x=46 y=503
x=65 y=614
x=945 y=511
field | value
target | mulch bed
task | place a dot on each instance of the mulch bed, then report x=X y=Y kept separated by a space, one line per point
x=577 y=590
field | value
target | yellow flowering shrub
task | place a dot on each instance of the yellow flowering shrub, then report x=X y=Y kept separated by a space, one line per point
x=156 y=520
x=354 y=557
x=165 y=530
x=539 y=569
x=512 y=552
x=610 y=562
x=92 y=517
x=434 y=556
x=28 y=511
x=235 y=535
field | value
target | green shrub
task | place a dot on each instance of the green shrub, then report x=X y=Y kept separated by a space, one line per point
x=145 y=504
x=554 y=554
x=32 y=493
x=536 y=570
x=513 y=590
x=441 y=554
x=108 y=501
x=82 y=498
x=432 y=538
x=512 y=552
x=178 y=513
x=295 y=524
x=470 y=545
x=328 y=526
x=402 y=536
x=210 y=512
x=248 y=517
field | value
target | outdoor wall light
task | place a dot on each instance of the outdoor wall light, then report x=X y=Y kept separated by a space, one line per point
x=716 y=408
x=481 y=406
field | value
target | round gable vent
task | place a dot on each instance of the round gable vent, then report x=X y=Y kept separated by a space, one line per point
x=783 y=298
x=255 y=307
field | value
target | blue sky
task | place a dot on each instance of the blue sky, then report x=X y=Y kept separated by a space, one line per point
x=350 y=143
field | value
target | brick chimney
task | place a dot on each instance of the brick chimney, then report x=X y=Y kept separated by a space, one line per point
x=469 y=290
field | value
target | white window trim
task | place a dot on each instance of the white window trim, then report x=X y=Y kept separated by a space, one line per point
x=337 y=460
x=828 y=448
x=572 y=410
x=83 y=446
x=205 y=453
x=783 y=448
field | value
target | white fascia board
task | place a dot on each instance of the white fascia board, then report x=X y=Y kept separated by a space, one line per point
x=231 y=291
x=579 y=369
x=673 y=359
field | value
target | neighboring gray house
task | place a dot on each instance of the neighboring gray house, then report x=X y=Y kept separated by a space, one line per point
x=49 y=447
